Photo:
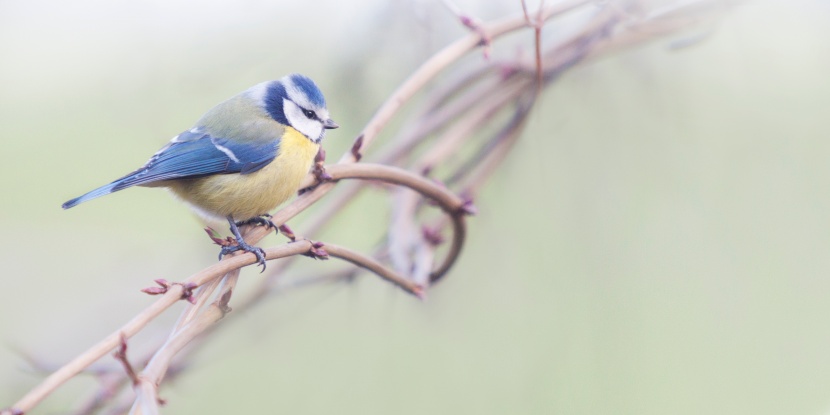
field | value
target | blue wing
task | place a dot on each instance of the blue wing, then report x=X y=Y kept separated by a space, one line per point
x=191 y=154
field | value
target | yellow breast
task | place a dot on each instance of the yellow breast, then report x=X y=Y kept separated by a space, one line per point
x=251 y=195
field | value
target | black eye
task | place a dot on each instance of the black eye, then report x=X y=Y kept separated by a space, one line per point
x=309 y=113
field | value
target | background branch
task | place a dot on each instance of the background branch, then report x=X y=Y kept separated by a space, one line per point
x=453 y=121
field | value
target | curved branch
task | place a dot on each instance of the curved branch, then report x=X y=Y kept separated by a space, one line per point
x=594 y=41
x=441 y=60
x=426 y=72
x=172 y=296
x=373 y=265
x=448 y=201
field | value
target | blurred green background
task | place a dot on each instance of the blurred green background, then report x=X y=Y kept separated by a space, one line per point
x=657 y=243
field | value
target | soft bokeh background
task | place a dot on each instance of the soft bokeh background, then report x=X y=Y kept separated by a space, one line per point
x=658 y=242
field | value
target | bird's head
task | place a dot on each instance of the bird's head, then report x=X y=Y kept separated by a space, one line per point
x=296 y=101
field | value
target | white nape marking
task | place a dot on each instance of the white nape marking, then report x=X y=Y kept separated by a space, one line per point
x=227 y=152
x=311 y=128
x=259 y=91
x=195 y=130
x=173 y=140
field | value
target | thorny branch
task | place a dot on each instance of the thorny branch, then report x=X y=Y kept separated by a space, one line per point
x=455 y=117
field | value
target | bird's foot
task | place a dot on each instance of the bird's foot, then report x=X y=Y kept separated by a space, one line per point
x=263 y=220
x=241 y=245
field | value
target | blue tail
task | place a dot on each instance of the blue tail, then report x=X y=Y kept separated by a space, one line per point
x=101 y=191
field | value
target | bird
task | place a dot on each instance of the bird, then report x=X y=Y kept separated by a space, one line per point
x=241 y=159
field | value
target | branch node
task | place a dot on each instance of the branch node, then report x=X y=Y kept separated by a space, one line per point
x=164 y=286
x=356 y=147
x=121 y=355
x=467 y=208
x=223 y=302
x=287 y=232
x=318 y=171
x=420 y=292
x=432 y=235
x=317 y=251
x=320 y=167
x=217 y=239
x=475 y=25
x=507 y=70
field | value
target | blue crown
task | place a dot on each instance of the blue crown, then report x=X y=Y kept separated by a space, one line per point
x=309 y=88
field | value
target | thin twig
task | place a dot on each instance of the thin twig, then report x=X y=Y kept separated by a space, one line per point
x=172 y=296
x=147 y=398
x=459 y=110
x=371 y=264
x=449 y=54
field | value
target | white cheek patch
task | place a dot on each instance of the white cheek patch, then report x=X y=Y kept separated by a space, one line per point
x=313 y=129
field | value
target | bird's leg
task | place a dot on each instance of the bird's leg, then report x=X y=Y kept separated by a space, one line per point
x=263 y=219
x=241 y=245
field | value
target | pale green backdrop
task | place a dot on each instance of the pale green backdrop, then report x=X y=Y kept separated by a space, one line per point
x=657 y=244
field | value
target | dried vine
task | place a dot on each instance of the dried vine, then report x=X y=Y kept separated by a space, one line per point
x=455 y=117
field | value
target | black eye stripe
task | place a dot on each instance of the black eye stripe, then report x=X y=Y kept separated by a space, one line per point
x=309 y=113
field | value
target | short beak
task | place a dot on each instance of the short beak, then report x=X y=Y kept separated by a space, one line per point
x=329 y=124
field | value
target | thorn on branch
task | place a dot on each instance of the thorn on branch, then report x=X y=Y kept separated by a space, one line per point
x=121 y=355
x=317 y=251
x=356 y=147
x=320 y=167
x=319 y=172
x=507 y=70
x=432 y=235
x=223 y=302
x=320 y=157
x=473 y=24
x=164 y=286
x=218 y=240
x=287 y=232
x=467 y=208
x=537 y=31
x=420 y=292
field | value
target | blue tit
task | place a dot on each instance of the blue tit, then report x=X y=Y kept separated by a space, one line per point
x=242 y=159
